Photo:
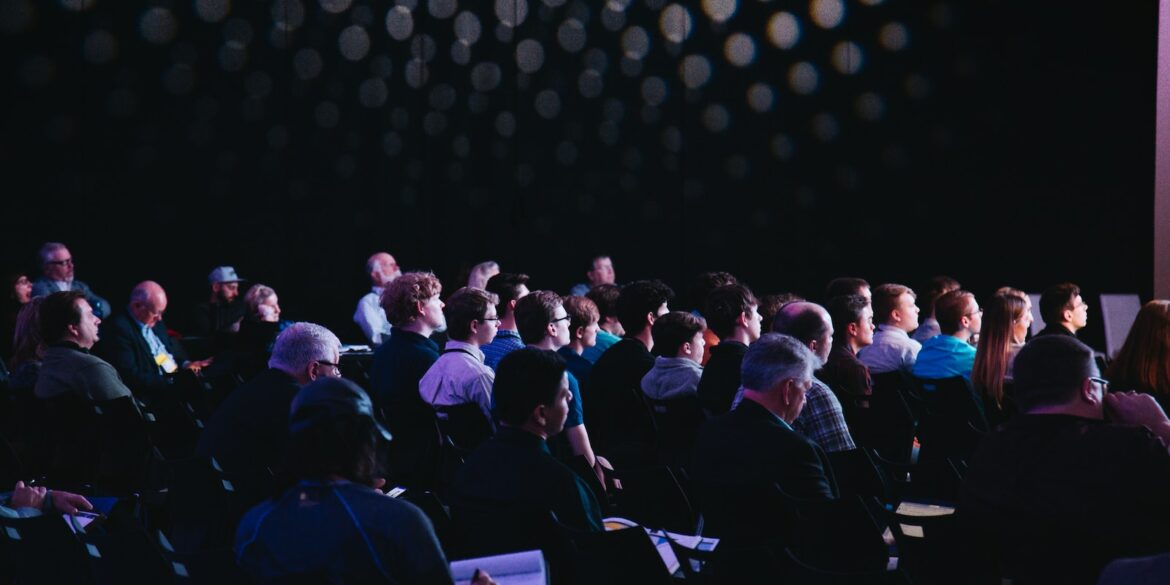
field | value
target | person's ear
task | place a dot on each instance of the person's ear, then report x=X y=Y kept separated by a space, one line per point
x=313 y=370
x=579 y=333
x=474 y=326
x=742 y=320
x=687 y=349
x=651 y=318
x=852 y=329
x=512 y=306
x=1088 y=394
x=539 y=416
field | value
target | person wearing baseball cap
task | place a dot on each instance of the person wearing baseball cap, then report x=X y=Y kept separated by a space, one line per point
x=219 y=318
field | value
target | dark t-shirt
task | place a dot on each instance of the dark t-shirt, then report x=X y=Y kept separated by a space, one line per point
x=846 y=376
x=249 y=430
x=1057 y=496
x=721 y=376
x=614 y=407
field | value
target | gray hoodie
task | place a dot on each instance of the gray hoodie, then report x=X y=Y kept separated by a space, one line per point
x=672 y=378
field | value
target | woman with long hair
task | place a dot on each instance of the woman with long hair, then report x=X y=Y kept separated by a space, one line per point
x=1143 y=364
x=1005 y=324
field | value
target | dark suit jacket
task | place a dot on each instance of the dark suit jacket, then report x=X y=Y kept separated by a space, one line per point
x=721 y=376
x=123 y=345
x=249 y=431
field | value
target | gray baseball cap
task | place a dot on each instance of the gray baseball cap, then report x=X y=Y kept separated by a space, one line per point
x=223 y=274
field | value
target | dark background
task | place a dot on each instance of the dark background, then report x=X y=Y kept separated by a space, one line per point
x=1003 y=143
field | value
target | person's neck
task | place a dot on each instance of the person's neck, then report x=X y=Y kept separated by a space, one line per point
x=548 y=343
x=646 y=337
x=1080 y=409
x=963 y=335
x=529 y=427
x=740 y=335
x=853 y=345
x=899 y=326
x=576 y=346
x=469 y=341
x=417 y=326
x=770 y=403
x=1069 y=326
x=508 y=322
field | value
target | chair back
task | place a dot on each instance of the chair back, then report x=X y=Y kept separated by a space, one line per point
x=1118 y=312
x=654 y=498
x=954 y=420
x=677 y=421
x=41 y=549
x=465 y=424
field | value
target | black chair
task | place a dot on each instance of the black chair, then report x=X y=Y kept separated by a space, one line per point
x=121 y=552
x=42 y=549
x=618 y=557
x=677 y=421
x=205 y=504
x=889 y=424
x=210 y=566
x=486 y=528
x=654 y=498
x=954 y=420
x=625 y=429
x=927 y=546
x=464 y=424
x=857 y=474
x=436 y=512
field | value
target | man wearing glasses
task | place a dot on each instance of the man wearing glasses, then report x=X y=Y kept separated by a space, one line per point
x=1063 y=310
x=1079 y=478
x=951 y=353
x=57 y=264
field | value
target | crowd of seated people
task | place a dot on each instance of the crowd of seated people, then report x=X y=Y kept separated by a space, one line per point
x=496 y=401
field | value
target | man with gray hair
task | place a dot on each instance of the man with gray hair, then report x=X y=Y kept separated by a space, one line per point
x=248 y=431
x=822 y=419
x=57 y=265
x=754 y=446
x=382 y=269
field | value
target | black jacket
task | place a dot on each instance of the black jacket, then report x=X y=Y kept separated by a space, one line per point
x=123 y=345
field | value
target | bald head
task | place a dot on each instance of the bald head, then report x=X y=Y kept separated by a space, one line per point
x=382 y=268
x=148 y=301
x=809 y=323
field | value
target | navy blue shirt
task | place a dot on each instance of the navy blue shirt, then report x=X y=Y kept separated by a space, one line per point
x=399 y=364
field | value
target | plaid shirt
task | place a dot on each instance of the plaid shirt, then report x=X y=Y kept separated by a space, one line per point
x=823 y=421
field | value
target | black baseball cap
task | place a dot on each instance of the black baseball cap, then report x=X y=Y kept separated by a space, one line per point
x=327 y=397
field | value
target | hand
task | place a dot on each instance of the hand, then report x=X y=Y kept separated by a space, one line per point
x=27 y=497
x=482 y=578
x=68 y=503
x=1138 y=409
x=197 y=367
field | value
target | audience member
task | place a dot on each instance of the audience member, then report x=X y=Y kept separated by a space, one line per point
x=733 y=314
x=19 y=296
x=258 y=330
x=369 y=315
x=249 y=429
x=70 y=328
x=935 y=288
x=481 y=273
x=853 y=328
x=459 y=376
x=951 y=353
x=1063 y=310
x=700 y=289
x=1005 y=323
x=28 y=347
x=770 y=305
x=137 y=344
x=613 y=406
x=821 y=419
x=510 y=288
x=334 y=523
x=413 y=307
x=1058 y=491
x=515 y=468
x=583 y=331
x=896 y=316
x=57 y=264
x=610 y=330
x=600 y=272
x=754 y=446
x=1143 y=364
x=544 y=324
x=679 y=341
x=219 y=318
x=848 y=285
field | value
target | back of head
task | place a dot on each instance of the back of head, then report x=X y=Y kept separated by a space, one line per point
x=57 y=312
x=301 y=344
x=638 y=299
x=1144 y=360
x=935 y=288
x=464 y=306
x=803 y=320
x=771 y=304
x=844 y=310
x=507 y=287
x=774 y=358
x=401 y=298
x=995 y=338
x=845 y=285
x=673 y=329
x=525 y=379
x=724 y=306
x=533 y=314
x=582 y=312
x=1050 y=369
x=950 y=309
x=885 y=300
x=605 y=296
x=27 y=343
x=332 y=432
x=1056 y=299
x=703 y=284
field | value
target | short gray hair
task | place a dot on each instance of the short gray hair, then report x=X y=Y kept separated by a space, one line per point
x=301 y=344
x=47 y=250
x=775 y=357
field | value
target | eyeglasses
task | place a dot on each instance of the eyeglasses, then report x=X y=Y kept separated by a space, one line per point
x=973 y=313
x=1102 y=381
x=565 y=318
x=336 y=367
x=486 y=319
x=65 y=262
